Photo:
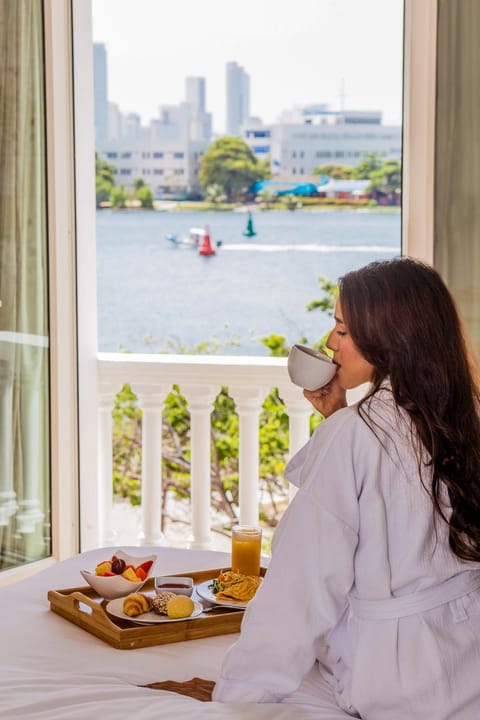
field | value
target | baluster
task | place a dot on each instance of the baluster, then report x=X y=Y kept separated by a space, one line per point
x=104 y=510
x=298 y=410
x=248 y=402
x=152 y=405
x=200 y=404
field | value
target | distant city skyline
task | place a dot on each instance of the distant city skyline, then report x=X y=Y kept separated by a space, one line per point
x=345 y=53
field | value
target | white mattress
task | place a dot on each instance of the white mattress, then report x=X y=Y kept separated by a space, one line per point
x=53 y=670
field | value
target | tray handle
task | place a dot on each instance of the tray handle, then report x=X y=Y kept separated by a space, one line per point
x=78 y=598
x=73 y=602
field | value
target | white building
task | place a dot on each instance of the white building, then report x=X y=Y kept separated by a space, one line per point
x=238 y=98
x=165 y=154
x=169 y=167
x=305 y=138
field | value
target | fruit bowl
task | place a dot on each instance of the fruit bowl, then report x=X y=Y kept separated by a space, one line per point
x=115 y=585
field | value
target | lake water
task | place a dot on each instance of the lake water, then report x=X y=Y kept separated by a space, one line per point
x=153 y=295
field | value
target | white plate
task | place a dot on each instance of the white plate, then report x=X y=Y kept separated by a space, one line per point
x=115 y=608
x=206 y=593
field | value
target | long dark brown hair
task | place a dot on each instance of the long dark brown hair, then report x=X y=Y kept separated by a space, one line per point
x=404 y=321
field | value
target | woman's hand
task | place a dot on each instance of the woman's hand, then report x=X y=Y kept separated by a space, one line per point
x=328 y=398
x=197 y=688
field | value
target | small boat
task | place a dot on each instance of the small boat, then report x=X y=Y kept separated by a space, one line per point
x=249 y=230
x=194 y=238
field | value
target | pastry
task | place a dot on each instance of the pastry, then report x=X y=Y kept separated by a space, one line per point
x=136 y=604
x=180 y=606
x=159 y=602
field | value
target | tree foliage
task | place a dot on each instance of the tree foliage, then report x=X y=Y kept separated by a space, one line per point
x=104 y=180
x=145 y=196
x=214 y=194
x=230 y=163
x=334 y=171
x=369 y=163
x=386 y=180
x=118 y=197
x=327 y=303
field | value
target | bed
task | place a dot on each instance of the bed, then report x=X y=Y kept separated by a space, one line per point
x=50 y=669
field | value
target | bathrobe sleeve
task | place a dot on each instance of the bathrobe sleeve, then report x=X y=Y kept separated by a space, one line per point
x=309 y=577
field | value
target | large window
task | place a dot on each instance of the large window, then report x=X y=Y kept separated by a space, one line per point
x=25 y=501
x=336 y=114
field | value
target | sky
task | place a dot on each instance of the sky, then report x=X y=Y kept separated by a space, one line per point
x=346 y=53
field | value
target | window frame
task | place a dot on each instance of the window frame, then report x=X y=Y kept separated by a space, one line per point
x=419 y=92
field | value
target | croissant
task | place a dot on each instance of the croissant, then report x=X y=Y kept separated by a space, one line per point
x=136 y=604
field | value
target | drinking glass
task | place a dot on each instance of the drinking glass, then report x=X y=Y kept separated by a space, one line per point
x=246 y=549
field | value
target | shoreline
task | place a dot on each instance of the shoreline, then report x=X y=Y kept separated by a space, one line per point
x=188 y=206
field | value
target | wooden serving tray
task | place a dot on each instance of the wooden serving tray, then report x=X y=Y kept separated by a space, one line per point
x=85 y=608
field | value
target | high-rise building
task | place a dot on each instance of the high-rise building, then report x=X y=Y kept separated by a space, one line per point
x=195 y=93
x=100 y=92
x=200 y=120
x=238 y=98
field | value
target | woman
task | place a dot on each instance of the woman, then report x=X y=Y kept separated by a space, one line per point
x=371 y=604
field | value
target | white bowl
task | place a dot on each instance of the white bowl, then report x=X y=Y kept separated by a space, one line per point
x=308 y=368
x=170 y=583
x=116 y=586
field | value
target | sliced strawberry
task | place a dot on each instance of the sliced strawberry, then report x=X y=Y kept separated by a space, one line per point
x=140 y=573
x=145 y=566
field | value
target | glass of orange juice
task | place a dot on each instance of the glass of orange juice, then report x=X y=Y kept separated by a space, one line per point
x=246 y=549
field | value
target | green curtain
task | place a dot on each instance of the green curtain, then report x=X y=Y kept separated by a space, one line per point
x=24 y=388
x=457 y=151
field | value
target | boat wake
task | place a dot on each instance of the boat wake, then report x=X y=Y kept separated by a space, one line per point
x=312 y=247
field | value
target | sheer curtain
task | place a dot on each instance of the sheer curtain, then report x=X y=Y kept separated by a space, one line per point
x=24 y=388
x=457 y=173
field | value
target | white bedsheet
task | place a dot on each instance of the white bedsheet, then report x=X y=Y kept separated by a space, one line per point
x=50 y=669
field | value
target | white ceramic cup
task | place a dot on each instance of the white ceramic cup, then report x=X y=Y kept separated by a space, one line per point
x=308 y=368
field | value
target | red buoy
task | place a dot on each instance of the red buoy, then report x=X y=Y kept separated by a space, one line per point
x=206 y=246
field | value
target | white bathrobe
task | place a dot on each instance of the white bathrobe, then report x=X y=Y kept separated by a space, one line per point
x=361 y=529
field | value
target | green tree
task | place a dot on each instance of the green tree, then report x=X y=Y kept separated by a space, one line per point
x=118 y=197
x=103 y=190
x=104 y=180
x=104 y=170
x=327 y=303
x=266 y=197
x=230 y=163
x=145 y=196
x=265 y=168
x=369 y=163
x=138 y=183
x=334 y=171
x=214 y=194
x=387 y=181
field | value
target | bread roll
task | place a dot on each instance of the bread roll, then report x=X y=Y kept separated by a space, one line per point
x=159 y=602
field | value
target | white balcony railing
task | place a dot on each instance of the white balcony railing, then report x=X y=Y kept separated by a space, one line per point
x=200 y=379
